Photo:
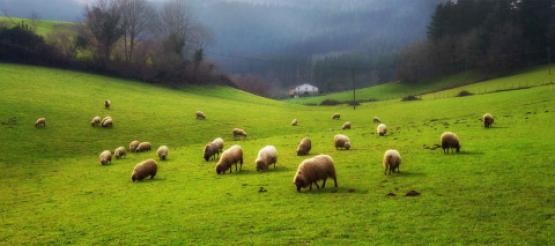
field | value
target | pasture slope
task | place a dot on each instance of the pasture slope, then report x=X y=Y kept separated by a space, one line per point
x=448 y=86
x=41 y=27
x=498 y=190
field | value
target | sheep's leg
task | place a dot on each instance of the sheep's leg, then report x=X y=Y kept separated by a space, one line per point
x=335 y=181
x=324 y=184
x=316 y=183
x=310 y=186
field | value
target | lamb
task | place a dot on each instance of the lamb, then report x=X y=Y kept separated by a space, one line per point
x=107 y=104
x=144 y=169
x=120 y=152
x=213 y=149
x=376 y=120
x=106 y=122
x=266 y=157
x=391 y=161
x=346 y=125
x=162 y=152
x=239 y=133
x=96 y=121
x=342 y=142
x=200 y=115
x=143 y=147
x=294 y=122
x=304 y=147
x=381 y=129
x=488 y=120
x=230 y=157
x=105 y=157
x=133 y=145
x=449 y=141
x=314 y=169
x=40 y=123
x=336 y=116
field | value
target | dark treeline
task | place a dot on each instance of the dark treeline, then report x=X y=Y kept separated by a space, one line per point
x=489 y=36
x=128 y=38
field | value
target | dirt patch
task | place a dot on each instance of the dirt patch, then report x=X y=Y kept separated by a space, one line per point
x=390 y=194
x=262 y=189
x=351 y=190
x=413 y=193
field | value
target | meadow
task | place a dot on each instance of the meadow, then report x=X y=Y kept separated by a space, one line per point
x=53 y=190
x=41 y=27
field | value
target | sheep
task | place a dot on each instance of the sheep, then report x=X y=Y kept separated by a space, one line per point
x=162 y=152
x=336 y=116
x=239 y=133
x=449 y=141
x=266 y=157
x=376 y=120
x=107 y=104
x=107 y=122
x=96 y=121
x=120 y=152
x=488 y=120
x=143 y=147
x=105 y=157
x=342 y=142
x=391 y=161
x=200 y=115
x=314 y=169
x=133 y=145
x=346 y=125
x=381 y=129
x=213 y=149
x=304 y=147
x=230 y=157
x=40 y=123
x=295 y=122
x=144 y=169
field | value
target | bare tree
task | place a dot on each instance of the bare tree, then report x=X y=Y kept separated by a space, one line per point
x=137 y=16
x=176 y=26
x=103 y=20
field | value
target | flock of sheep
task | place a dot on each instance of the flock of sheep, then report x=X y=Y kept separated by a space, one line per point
x=309 y=171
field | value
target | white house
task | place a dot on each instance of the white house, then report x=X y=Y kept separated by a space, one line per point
x=304 y=90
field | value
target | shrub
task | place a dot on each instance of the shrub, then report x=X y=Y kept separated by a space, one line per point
x=410 y=98
x=330 y=102
x=464 y=93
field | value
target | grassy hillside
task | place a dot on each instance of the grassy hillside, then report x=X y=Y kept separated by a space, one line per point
x=54 y=191
x=42 y=27
x=444 y=87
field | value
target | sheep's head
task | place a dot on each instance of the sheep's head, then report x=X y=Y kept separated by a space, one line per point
x=133 y=178
x=220 y=168
x=260 y=165
x=207 y=152
x=300 y=181
x=347 y=145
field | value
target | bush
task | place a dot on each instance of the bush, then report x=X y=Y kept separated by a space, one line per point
x=464 y=93
x=330 y=102
x=410 y=98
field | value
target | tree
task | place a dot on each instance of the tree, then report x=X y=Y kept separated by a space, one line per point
x=103 y=20
x=136 y=20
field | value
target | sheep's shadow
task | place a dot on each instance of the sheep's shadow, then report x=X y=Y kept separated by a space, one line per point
x=463 y=152
x=496 y=127
x=149 y=180
x=405 y=174
x=330 y=189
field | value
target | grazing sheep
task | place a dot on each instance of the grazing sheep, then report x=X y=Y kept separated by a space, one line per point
x=40 y=123
x=144 y=169
x=336 y=116
x=342 y=142
x=105 y=157
x=162 y=152
x=120 y=152
x=381 y=129
x=266 y=157
x=304 y=146
x=488 y=120
x=346 y=125
x=294 y=122
x=230 y=157
x=314 y=169
x=143 y=147
x=106 y=122
x=96 y=121
x=213 y=149
x=107 y=104
x=200 y=115
x=391 y=161
x=133 y=145
x=449 y=141
x=239 y=133
x=376 y=120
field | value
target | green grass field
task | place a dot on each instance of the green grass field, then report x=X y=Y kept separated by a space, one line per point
x=42 y=27
x=498 y=190
x=448 y=86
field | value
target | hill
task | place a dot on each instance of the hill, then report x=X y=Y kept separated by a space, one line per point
x=498 y=190
x=444 y=87
x=42 y=27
